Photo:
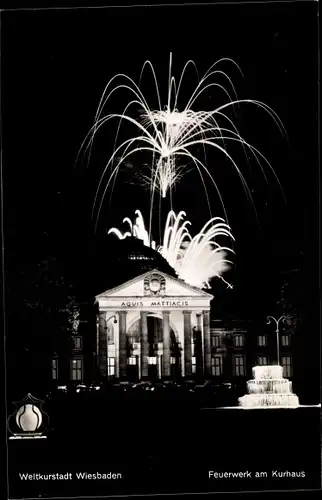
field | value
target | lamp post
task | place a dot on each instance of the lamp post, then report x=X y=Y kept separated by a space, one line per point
x=271 y=319
x=106 y=330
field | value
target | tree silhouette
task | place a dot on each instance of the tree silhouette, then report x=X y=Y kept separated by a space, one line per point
x=291 y=301
x=42 y=314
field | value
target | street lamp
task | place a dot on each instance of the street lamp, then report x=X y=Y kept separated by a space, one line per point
x=271 y=319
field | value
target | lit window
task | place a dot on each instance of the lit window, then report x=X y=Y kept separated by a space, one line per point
x=77 y=341
x=173 y=360
x=287 y=366
x=261 y=340
x=132 y=360
x=285 y=340
x=216 y=366
x=239 y=340
x=193 y=349
x=193 y=365
x=110 y=366
x=239 y=366
x=152 y=360
x=215 y=340
x=262 y=360
x=54 y=368
x=77 y=369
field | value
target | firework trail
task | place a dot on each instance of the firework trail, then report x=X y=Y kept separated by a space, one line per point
x=169 y=136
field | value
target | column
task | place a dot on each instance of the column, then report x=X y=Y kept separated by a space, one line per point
x=97 y=346
x=122 y=346
x=187 y=343
x=166 y=345
x=198 y=349
x=207 y=344
x=102 y=345
x=144 y=353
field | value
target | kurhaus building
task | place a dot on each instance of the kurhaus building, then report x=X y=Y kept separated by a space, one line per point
x=155 y=326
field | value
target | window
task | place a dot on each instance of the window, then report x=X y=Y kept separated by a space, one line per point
x=285 y=339
x=239 y=340
x=54 y=368
x=262 y=360
x=193 y=365
x=173 y=360
x=215 y=340
x=216 y=366
x=132 y=360
x=239 y=366
x=152 y=360
x=287 y=366
x=110 y=366
x=77 y=341
x=77 y=369
x=193 y=349
x=261 y=340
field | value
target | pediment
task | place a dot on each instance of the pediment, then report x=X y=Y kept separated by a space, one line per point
x=140 y=287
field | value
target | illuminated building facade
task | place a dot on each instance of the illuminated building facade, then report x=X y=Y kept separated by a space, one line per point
x=181 y=335
x=154 y=327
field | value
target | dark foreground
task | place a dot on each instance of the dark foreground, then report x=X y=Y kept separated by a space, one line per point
x=159 y=446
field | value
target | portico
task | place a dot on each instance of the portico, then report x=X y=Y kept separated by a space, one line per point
x=154 y=327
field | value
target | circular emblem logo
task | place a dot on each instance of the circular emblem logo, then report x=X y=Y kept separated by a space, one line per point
x=155 y=285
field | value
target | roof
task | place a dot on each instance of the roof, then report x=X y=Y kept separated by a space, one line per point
x=166 y=276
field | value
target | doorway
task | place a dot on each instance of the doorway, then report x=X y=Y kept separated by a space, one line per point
x=155 y=340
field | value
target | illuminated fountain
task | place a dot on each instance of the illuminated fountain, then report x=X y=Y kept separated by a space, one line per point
x=269 y=389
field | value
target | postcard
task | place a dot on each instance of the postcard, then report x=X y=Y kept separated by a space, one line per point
x=160 y=184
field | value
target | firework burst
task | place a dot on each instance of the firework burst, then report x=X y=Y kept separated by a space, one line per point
x=171 y=136
x=136 y=230
x=196 y=259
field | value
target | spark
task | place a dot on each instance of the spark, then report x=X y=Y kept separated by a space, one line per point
x=171 y=136
x=196 y=259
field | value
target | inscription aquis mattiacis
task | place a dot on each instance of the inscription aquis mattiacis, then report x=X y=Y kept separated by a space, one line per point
x=156 y=303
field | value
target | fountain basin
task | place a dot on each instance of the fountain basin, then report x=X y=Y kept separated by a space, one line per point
x=268 y=372
x=269 y=400
x=269 y=389
x=274 y=386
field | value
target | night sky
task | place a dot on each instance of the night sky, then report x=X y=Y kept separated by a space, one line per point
x=55 y=65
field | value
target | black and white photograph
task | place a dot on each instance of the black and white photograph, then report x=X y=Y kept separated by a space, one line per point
x=160 y=199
